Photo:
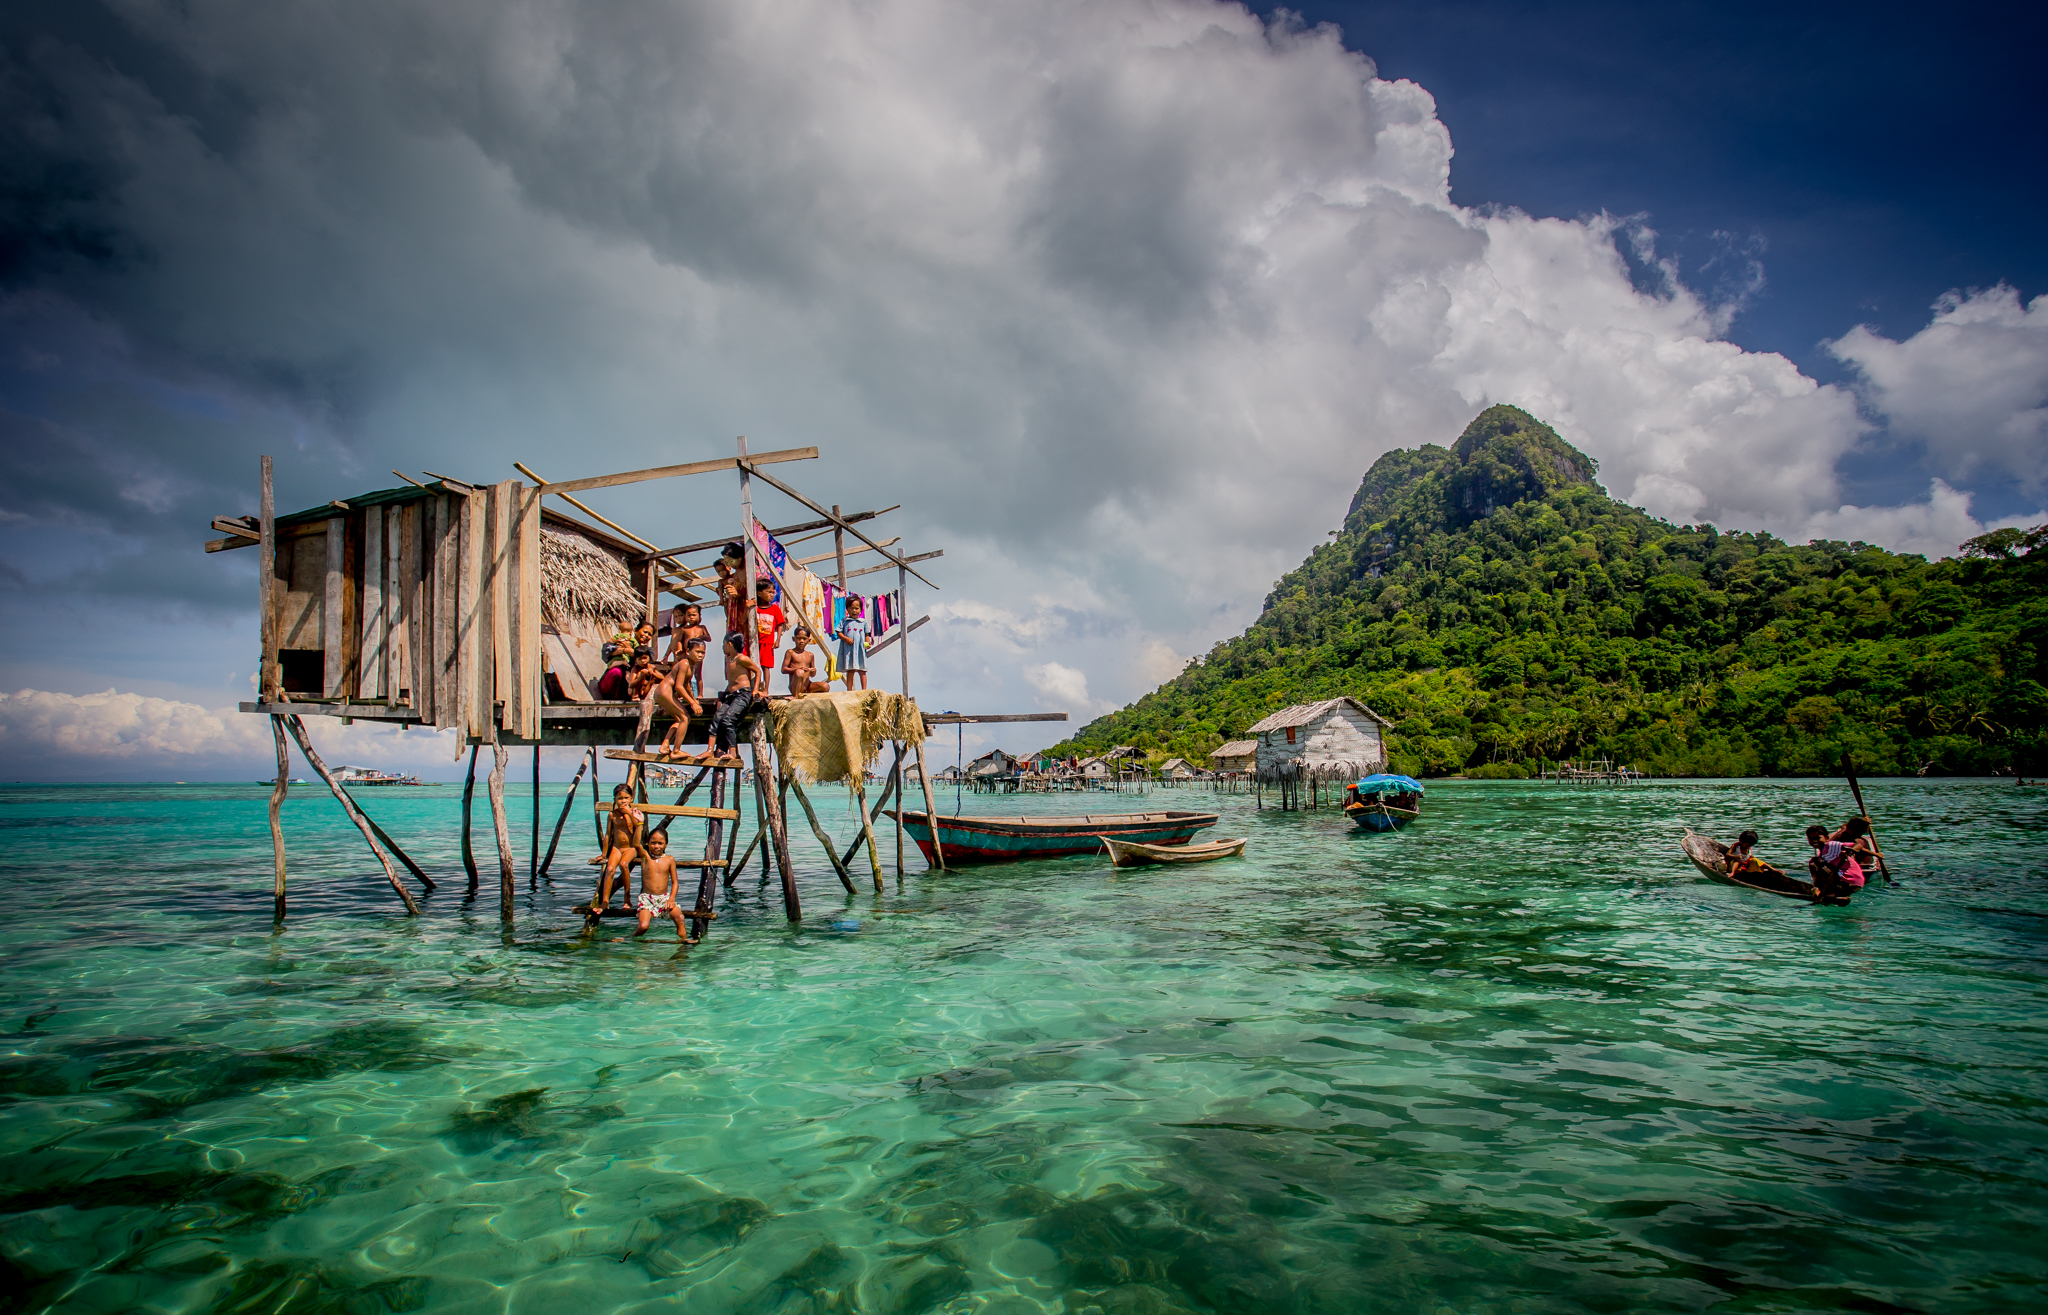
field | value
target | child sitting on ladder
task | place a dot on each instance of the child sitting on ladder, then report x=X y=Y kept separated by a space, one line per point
x=853 y=644
x=624 y=843
x=658 y=887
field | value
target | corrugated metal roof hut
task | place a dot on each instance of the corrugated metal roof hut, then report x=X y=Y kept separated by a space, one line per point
x=1337 y=739
x=1236 y=756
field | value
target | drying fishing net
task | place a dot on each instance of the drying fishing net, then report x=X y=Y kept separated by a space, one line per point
x=838 y=737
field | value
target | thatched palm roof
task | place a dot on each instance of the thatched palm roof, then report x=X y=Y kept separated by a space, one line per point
x=581 y=582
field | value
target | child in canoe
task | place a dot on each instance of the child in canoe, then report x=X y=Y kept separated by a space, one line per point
x=1741 y=856
x=1834 y=865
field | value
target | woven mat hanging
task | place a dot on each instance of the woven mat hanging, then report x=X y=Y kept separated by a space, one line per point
x=836 y=737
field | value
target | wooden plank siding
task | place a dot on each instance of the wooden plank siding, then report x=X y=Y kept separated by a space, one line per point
x=430 y=600
x=447 y=567
x=334 y=653
x=371 y=685
x=522 y=710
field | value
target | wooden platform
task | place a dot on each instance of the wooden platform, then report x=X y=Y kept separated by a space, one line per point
x=628 y=756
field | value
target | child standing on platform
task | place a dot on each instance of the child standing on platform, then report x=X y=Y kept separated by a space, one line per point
x=853 y=644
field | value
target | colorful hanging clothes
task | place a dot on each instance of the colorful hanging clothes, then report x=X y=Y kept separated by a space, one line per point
x=798 y=588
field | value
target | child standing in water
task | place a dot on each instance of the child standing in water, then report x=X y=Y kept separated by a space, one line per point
x=853 y=644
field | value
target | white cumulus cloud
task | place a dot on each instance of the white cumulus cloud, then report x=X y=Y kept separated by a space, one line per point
x=1973 y=384
x=43 y=733
x=1934 y=528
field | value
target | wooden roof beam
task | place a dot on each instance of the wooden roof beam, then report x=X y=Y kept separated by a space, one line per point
x=778 y=534
x=921 y=557
x=829 y=556
x=830 y=519
x=687 y=468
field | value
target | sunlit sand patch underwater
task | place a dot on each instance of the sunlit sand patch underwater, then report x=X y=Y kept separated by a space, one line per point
x=1517 y=1057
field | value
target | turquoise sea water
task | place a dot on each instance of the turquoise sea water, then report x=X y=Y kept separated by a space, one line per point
x=1516 y=1058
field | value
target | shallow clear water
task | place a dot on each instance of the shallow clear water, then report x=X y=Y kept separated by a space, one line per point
x=1516 y=1058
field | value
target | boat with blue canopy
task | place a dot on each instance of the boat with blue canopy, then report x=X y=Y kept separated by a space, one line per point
x=1383 y=802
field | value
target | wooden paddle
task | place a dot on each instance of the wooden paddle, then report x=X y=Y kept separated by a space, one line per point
x=1849 y=770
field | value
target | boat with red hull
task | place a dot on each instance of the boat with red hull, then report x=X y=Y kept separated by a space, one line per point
x=1001 y=839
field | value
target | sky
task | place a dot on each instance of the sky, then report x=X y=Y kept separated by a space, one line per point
x=1119 y=299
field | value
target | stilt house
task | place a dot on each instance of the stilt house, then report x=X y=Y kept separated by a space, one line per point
x=1336 y=739
x=1236 y=756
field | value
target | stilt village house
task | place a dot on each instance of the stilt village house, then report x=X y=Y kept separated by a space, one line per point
x=474 y=608
x=1236 y=756
x=1336 y=739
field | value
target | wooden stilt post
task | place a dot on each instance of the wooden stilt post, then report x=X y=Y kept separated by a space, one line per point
x=899 y=805
x=882 y=802
x=277 y=792
x=533 y=847
x=707 y=876
x=596 y=797
x=867 y=830
x=499 y=824
x=298 y=732
x=468 y=796
x=761 y=823
x=931 y=809
x=811 y=815
x=385 y=839
x=575 y=788
x=730 y=870
x=778 y=836
x=903 y=660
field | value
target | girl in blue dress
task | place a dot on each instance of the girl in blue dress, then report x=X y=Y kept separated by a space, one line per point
x=853 y=644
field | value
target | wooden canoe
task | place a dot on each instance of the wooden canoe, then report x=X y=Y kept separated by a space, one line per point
x=1131 y=854
x=1002 y=839
x=1711 y=858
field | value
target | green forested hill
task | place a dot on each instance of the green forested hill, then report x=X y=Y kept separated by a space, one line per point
x=1495 y=604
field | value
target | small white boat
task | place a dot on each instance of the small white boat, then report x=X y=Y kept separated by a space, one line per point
x=1131 y=854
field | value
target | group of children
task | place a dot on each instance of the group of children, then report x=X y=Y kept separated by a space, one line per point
x=1837 y=863
x=675 y=681
x=628 y=844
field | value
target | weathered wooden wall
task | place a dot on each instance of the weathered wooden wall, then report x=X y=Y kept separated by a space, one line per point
x=433 y=601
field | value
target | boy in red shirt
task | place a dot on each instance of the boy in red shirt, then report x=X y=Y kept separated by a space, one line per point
x=768 y=620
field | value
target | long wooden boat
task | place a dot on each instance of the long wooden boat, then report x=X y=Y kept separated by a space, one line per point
x=1000 y=839
x=1384 y=802
x=1131 y=854
x=1711 y=858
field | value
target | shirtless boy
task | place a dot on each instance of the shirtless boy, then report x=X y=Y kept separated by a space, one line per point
x=658 y=887
x=744 y=679
x=624 y=844
x=801 y=665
